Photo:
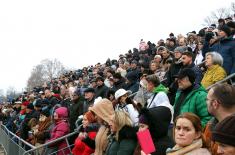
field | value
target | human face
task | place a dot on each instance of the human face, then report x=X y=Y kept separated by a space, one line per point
x=186 y=60
x=153 y=67
x=224 y=149
x=85 y=122
x=185 y=132
x=200 y=46
x=150 y=86
x=177 y=54
x=181 y=42
x=55 y=116
x=89 y=95
x=222 y=34
x=42 y=118
x=165 y=54
x=184 y=83
x=112 y=125
x=47 y=93
x=209 y=102
x=209 y=61
x=74 y=97
x=99 y=83
x=123 y=98
x=143 y=127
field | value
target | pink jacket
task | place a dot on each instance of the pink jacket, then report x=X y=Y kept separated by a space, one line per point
x=60 y=129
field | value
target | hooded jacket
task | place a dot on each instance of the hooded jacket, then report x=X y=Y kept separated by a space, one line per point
x=60 y=129
x=104 y=110
x=159 y=119
x=159 y=98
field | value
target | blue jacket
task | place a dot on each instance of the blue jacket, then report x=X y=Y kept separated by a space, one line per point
x=226 y=47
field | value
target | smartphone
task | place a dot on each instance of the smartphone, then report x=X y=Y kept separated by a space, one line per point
x=146 y=141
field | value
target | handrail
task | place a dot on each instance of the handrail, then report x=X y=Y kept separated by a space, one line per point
x=51 y=142
x=14 y=135
x=221 y=81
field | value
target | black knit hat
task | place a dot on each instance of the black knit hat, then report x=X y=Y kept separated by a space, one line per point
x=46 y=112
x=225 y=131
x=226 y=29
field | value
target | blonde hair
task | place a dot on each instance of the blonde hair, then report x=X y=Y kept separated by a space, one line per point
x=121 y=118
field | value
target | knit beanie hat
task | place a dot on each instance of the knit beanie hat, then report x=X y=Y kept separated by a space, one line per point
x=225 y=131
x=226 y=29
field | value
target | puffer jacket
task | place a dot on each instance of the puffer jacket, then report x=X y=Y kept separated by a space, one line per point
x=213 y=74
x=195 y=102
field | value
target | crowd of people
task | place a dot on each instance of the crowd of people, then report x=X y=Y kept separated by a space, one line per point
x=166 y=88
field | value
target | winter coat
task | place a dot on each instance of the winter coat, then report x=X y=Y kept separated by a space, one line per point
x=159 y=98
x=132 y=86
x=126 y=143
x=226 y=47
x=119 y=84
x=133 y=113
x=194 y=149
x=43 y=129
x=101 y=91
x=81 y=148
x=213 y=74
x=60 y=129
x=104 y=110
x=75 y=110
x=195 y=102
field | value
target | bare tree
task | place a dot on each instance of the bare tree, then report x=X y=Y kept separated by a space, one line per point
x=45 y=71
x=52 y=68
x=216 y=15
x=233 y=7
x=37 y=77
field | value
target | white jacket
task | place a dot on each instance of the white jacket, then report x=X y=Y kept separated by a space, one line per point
x=133 y=113
x=161 y=99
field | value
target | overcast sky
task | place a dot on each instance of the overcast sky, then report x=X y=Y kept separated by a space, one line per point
x=81 y=33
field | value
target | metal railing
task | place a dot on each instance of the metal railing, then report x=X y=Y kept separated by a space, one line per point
x=228 y=78
x=44 y=147
x=13 y=144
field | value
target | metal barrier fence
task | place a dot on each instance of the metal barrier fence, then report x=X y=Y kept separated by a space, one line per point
x=13 y=144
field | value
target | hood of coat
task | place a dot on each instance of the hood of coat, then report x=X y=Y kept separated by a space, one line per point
x=62 y=112
x=103 y=109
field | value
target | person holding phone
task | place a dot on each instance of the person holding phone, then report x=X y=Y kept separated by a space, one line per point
x=187 y=133
x=157 y=121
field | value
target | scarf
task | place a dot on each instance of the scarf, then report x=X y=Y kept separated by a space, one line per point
x=183 y=151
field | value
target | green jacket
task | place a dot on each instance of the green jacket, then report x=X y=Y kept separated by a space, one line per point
x=195 y=102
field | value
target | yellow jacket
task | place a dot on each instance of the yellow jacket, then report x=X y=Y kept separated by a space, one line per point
x=213 y=74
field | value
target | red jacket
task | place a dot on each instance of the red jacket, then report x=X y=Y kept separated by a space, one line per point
x=80 y=148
